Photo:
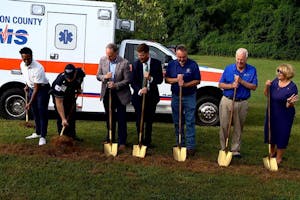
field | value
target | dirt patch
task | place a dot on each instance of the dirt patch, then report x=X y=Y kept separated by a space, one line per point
x=195 y=164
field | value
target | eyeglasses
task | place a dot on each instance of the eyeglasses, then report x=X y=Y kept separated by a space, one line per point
x=280 y=72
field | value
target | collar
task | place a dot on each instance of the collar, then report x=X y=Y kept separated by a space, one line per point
x=148 y=62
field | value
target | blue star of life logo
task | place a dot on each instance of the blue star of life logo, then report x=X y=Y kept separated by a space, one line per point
x=65 y=36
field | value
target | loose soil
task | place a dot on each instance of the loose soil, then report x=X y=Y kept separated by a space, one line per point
x=194 y=164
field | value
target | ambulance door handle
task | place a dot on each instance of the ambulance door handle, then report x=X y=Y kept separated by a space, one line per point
x=54 y=56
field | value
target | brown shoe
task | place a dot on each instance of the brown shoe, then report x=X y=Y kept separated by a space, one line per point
x=122 y=147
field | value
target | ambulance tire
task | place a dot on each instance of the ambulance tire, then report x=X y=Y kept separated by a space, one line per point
x=12 y=104
x=207 y=111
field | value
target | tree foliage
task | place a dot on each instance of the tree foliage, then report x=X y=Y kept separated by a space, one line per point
x=267 y=28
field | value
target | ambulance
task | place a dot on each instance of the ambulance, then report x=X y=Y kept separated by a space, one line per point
x=60 y=32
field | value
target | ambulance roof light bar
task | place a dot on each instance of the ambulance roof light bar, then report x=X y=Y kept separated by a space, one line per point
x=104 y=14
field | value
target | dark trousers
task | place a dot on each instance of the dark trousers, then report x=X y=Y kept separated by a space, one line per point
x=118 y=114
x=39 y=109
x=149 y=112
x=70 y=113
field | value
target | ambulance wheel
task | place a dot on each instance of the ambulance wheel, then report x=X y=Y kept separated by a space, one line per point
x=207 y=111
x=12 y=104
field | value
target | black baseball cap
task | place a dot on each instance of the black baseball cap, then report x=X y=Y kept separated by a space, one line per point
x=69 y=71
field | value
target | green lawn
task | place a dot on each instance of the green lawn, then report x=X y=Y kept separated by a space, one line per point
x=31 y=172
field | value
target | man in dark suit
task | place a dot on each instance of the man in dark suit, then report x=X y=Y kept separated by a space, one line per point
x=114 y=73
x=146 y=74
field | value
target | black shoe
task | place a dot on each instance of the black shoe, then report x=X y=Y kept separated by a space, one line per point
x=191 y=152
x=150 y=146
x=237 y=156
x=77 y=139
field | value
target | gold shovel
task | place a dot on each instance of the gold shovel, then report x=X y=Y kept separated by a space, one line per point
x=140 y=149
x=179 y=153
x=269 y=162
x=225 y=156
x=110 y=149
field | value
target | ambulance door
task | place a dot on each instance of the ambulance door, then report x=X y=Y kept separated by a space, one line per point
x=65 y=43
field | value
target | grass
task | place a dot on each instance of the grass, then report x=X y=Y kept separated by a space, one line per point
x=31 y=172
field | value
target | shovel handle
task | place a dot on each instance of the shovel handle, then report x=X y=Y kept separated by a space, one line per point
x=26 y=111
x=26 y=115
x=230 y=118
x=62 y=131
x=179 y=120
x=142 y=118
x=110 y=116
x=142 y=114
x=269 y=119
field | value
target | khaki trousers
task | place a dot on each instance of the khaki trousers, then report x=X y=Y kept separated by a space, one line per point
x=239 y=116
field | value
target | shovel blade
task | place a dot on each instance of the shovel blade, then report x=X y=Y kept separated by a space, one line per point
x=270 y=163
x=179 y=153
x=224 y=158
x=111 y=149
x=139 y=151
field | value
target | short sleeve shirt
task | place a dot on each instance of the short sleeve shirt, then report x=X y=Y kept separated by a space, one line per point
x=248 y=74
x=63 y=89
x=190 y=72
x=34 y=73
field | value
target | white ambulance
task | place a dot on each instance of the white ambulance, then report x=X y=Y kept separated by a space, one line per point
x=74 y=31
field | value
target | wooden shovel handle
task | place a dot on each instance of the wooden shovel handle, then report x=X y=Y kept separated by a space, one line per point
x=26 y=111
x=142 y=114
x=62 y=131
x=142 y=119
x=110 y=116
x=269 y=119
x=230 y=118
x=179 y=117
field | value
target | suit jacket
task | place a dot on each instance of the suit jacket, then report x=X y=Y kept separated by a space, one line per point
x=138 y=76
x=121 y=78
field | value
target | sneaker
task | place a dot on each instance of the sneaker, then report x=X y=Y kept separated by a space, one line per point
x=32 y=136
x=42 y=141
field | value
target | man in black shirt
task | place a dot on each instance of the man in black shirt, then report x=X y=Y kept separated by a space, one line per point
x=65 y=90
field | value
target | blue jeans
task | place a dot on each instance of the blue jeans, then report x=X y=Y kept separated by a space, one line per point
x=39 y=109
x=188 y=118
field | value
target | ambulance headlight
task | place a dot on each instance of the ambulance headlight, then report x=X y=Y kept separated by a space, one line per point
x=37 y=9
x=104 y=14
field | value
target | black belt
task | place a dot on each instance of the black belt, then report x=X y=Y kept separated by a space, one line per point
x=236 y=99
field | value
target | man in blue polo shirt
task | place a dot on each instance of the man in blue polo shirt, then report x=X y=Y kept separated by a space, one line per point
x=241 y=76
x=184 y=72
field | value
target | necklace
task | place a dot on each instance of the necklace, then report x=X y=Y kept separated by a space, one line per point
x=282 y=84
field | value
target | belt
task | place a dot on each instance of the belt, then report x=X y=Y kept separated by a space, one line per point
x=44 y=85
x=236 y=99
